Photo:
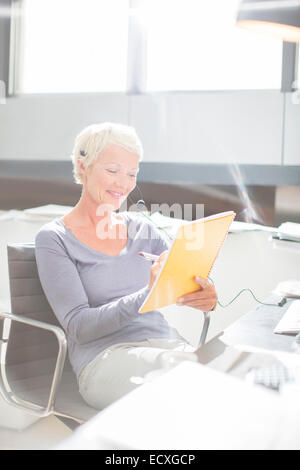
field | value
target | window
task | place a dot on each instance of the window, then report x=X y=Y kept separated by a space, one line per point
x=82 y=46
x=73 y=46
x=195 y=45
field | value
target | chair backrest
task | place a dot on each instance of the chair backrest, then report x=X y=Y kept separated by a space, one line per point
x=31 y=352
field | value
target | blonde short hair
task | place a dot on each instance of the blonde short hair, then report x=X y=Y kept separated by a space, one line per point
x=96 y=137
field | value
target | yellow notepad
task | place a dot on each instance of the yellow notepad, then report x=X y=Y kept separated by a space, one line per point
x=192 y=253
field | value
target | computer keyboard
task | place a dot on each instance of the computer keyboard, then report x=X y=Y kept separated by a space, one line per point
x=272 y=376
x=290 y=322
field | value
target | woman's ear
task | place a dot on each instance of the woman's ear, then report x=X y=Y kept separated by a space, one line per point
x=81 y=166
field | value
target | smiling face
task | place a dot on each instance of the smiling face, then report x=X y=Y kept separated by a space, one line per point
x=112 y=177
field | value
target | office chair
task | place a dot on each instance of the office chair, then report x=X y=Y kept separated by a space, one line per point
x=36 y=375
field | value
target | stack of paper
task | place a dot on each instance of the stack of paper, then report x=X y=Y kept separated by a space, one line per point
x=170 y=224
x=289 y=289
x=34 y=214
x=287 y=236
x=289 y=231
x=163 y=221
x=238 y=226
x=290 y=321
x=49 y=211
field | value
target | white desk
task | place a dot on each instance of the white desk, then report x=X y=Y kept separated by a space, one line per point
x=193 y=407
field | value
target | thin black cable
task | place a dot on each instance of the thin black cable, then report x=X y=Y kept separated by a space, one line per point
x=244 y=290
x=141 y=195
x=152 y=221
x=138 y=188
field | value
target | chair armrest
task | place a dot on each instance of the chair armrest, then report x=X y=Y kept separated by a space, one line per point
x=5 y=389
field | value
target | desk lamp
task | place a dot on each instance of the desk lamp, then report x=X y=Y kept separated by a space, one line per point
x=280 y=18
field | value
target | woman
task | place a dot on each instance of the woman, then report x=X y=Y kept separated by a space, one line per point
x=95 y=281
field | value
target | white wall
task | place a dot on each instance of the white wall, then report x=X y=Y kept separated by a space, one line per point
x=44 y=127
x=292 y=129
x=215 y=127
x=204 y=127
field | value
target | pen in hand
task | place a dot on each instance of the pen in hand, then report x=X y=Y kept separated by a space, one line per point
x=148 y=256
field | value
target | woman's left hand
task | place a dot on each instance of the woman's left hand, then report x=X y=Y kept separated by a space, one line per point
x=204 y=299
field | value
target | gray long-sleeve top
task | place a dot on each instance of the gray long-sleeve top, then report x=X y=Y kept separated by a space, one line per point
x=95 y=296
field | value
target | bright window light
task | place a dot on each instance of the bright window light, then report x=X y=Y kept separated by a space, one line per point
x=74 y=46
x=195 y=45
x=70 y=46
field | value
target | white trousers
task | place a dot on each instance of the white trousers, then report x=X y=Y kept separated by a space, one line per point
x=122 y=367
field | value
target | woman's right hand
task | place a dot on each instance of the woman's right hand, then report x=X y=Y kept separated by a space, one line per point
x=155 y=268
